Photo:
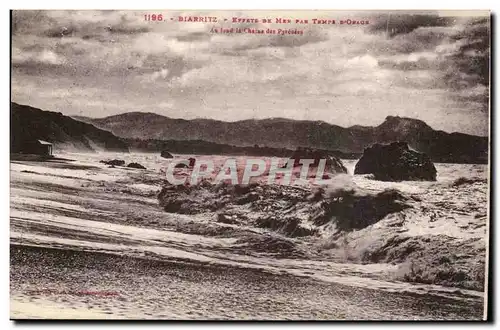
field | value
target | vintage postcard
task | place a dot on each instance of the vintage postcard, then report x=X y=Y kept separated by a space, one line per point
x=249 y=165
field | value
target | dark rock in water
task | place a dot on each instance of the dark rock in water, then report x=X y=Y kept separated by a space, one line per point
x=395 y=162
x=192 y=161
x=333 y=164
x=136 y=165
x=115 y=162
x=166 y=154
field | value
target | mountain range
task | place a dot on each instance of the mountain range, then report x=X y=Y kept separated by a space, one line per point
x=287 y=133
x=28 y=124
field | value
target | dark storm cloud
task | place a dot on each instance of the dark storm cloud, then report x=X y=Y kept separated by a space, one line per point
x=194 y=36
x=290 y=41
x=176 y=65
x=395 y=24
x=455 y=49
x=478 y=99
x=93 y=32
x=418 y=40
x=33 y=67
x=74 y=43
x=472 y=61
x=23 y=21
x=473 y=55
x=412 y=33
x=256 y=42
x=86 y=27
x=420 y=64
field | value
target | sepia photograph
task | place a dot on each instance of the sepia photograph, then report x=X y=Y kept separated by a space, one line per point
x=255 y=165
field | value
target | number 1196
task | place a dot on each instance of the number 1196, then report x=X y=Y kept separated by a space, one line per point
x=153 y=17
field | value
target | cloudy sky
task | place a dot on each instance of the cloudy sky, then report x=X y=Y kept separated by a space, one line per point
x=430 y=66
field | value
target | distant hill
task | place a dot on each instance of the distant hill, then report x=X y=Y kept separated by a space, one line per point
x=28 y=124
x=289 y=134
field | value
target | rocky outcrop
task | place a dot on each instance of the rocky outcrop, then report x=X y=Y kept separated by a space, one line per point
x=113 y=162
x=136 y=165
x=396 y=162
x=333 y=164
x=166 y=154
x=192 y=161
